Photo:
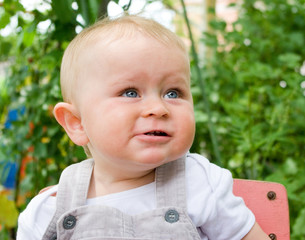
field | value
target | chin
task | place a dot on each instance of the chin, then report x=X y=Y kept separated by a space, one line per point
x=155 y=160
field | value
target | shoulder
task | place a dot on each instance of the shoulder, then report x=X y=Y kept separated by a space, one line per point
x=33 y=221
x=211 y=203
x=204 y=178
x=204 y=183
x=201 y=168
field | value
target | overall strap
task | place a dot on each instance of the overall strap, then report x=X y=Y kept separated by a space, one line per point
x=170 y=184
x=72 y=192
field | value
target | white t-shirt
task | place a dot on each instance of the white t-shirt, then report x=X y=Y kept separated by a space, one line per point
x=211 y=205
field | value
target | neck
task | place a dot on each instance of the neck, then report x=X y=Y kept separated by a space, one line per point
x=106 y=182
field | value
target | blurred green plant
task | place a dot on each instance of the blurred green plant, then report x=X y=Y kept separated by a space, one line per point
x=33 y=139
x=254 y=78
x=8 y=215
x=8 y=211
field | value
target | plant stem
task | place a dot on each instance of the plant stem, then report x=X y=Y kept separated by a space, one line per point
x=203 y=91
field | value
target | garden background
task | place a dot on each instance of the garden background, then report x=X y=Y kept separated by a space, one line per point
x=248 y=84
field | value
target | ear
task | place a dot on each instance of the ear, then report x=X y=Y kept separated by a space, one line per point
x=68 y=117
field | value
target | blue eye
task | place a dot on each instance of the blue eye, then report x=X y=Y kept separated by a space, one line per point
x=130 y=93
x=172 y=94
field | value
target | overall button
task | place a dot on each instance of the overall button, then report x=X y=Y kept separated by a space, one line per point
x=54 y=237
x=69 y=222
x=171 y=216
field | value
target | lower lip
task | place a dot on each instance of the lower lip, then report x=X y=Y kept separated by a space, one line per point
x=153 y=139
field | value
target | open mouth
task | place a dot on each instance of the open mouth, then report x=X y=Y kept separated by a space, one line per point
x=156 y=133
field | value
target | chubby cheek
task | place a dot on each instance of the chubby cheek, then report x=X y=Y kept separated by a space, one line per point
x=189 y=129
x=185 y=131
x=110 y=122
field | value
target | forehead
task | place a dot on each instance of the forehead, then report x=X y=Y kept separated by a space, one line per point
x=102 y=36
x=134 y=41
x=111 y=48
x=132 y=53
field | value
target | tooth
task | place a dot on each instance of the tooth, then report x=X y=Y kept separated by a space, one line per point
x=156 y=133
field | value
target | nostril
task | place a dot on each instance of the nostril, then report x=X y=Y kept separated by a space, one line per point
x=155 y=109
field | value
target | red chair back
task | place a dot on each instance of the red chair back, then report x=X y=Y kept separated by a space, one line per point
x=268 y=201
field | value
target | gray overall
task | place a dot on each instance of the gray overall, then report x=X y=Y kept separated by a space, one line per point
x=74 y=219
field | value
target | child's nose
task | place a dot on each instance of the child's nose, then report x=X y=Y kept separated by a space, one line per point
x=154 y=108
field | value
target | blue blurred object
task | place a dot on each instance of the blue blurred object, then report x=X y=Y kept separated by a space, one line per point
x=13 y=116
x=8 y=177
x=9 y=169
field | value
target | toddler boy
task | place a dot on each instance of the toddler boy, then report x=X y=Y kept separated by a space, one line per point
x=127 y=100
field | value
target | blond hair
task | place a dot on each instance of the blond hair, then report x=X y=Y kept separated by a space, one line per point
x=108 y=30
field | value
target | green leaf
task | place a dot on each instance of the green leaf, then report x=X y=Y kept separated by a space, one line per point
x=218 y=25
x=84 y=10
x=89 y=10
x=298 y=227
x=93 y=10
x=201 y=117
x=63 y=10
x=29 y=35
x=4 y=19
x=12 y=6
x=5 y=48
x=41 y=150
x=290 y=60
x=290 y=167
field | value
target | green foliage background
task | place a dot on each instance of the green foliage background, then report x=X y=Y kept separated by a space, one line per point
x=252 y=100
x=257 y=98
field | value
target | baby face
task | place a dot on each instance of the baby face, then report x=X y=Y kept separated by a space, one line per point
x=135 y=104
